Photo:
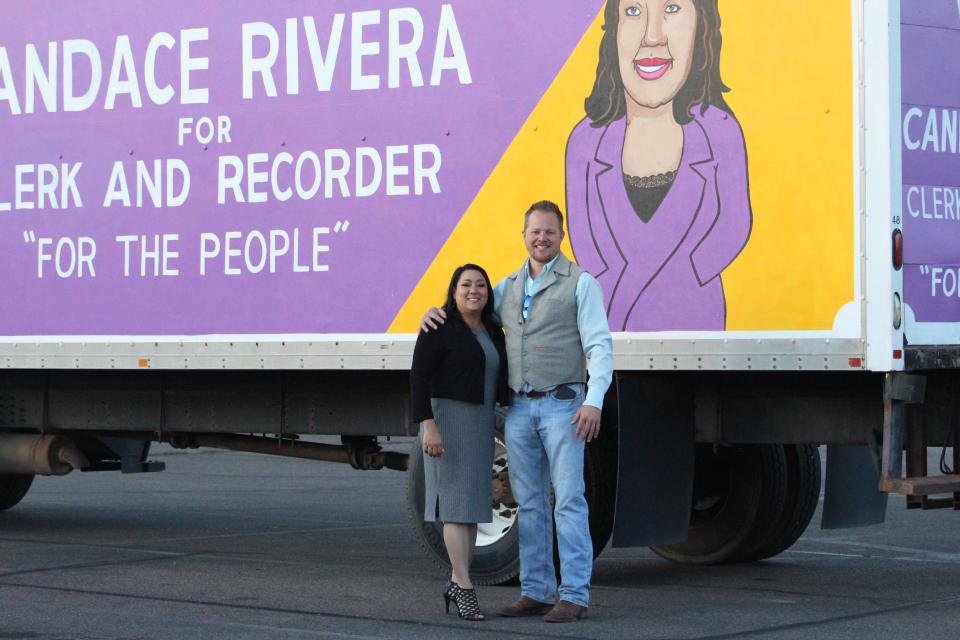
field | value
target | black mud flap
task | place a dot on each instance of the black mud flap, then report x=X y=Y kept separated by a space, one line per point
x=852 y=496
x=656 y=460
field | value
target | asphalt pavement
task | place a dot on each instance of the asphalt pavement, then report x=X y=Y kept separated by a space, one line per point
x=240 y=546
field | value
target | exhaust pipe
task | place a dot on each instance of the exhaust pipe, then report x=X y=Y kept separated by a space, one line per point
x=29 y=454
x=359 y=457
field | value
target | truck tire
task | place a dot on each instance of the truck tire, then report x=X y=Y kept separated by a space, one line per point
x=600 y=490
x=803 y=472
x=13 y=487
x=776 y=501
x=496 y=559
x=600 y=476
x=727 y=490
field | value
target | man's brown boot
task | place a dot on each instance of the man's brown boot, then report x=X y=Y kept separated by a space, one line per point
x=524 y=607
x=565 y=612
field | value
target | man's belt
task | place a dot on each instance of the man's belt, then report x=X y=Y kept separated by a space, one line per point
x=561 y=392
x=533 y=394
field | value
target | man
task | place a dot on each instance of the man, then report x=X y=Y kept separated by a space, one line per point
x=554 y=318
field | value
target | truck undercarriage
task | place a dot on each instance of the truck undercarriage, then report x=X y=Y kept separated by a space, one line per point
x=704 y=467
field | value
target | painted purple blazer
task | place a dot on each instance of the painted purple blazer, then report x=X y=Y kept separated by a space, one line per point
x=661 y=275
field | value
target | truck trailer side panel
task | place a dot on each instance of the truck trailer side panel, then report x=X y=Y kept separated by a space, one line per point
x=288 y=186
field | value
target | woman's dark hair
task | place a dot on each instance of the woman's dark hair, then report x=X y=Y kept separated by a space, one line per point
x=450 y=306
x=703 y=87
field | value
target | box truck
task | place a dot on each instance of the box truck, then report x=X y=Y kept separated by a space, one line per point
x=222 y=223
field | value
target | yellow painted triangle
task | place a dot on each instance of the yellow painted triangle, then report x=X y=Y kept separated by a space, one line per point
x=531 y=169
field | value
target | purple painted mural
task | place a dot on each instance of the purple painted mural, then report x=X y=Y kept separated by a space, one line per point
x=930 y=45
x=257 y=167
x=657 y=186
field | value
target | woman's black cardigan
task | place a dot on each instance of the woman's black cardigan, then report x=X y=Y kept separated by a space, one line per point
x=448 y=362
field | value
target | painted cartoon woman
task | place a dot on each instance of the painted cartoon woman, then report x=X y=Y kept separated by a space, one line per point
x=657 y=186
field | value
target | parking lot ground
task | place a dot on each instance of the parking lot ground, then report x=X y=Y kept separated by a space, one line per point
x=229 y=545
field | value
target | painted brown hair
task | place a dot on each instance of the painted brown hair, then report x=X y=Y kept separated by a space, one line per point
x=703 y=87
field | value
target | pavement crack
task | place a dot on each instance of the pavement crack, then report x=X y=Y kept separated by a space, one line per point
x=460 y=628
x=810 y=624
x=90 y=545
x=679 y=588
x=93 y=565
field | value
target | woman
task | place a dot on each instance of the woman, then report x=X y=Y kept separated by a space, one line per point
x=459 y=371
x=657 y=187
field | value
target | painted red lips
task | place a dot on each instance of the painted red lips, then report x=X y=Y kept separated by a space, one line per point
x=652 y=68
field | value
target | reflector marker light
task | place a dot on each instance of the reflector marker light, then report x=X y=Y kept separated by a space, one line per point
x=897 y=249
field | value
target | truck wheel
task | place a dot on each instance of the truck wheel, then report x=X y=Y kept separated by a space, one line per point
x=776 y=501
x=803 y=472
x=496 y=558
x=13 y=487
x=600 y=490
x=726 y=500
x=600 y=474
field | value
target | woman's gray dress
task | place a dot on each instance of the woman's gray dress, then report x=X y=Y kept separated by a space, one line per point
x=458 y=483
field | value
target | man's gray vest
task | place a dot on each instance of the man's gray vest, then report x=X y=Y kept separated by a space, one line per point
x=544 y=350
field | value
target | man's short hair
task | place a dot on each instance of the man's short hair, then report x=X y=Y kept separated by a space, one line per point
x=544 y=205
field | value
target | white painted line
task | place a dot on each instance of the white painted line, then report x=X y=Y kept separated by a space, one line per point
x=922 y=553
x=917 y=555
x=312 y=632
x=827 y=553
x=282 y=532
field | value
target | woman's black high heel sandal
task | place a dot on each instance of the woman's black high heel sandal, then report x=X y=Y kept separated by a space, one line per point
x=449 y=593
x=467 y=605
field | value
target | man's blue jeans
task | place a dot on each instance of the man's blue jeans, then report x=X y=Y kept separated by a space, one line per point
x=544 y=448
